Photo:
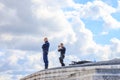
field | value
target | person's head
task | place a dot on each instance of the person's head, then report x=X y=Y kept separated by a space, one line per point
x=45 y=39
x=61 y=44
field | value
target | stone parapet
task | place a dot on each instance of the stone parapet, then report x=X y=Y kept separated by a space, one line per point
x=102 y=72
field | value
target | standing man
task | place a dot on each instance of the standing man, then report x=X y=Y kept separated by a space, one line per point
x=45 y=48
x=62 y=50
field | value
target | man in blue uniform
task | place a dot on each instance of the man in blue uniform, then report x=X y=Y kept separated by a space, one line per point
x=62 y=50
x=45 y=48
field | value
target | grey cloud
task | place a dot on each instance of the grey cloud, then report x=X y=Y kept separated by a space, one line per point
x=23 y=8
x=29 y=45
x=18 y=15
x=24 y=20
x=21 y=43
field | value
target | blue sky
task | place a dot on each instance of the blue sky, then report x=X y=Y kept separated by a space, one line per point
x=89 y=30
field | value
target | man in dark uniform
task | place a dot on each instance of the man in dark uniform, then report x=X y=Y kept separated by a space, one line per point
x=45 y=48
x=62 y=50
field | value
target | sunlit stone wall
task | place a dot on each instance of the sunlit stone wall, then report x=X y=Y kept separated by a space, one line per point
x=101 y=72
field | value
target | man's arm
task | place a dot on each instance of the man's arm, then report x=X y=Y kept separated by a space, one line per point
x=45 y=47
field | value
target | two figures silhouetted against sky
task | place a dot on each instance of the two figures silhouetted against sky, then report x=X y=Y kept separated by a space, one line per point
x=45 y=48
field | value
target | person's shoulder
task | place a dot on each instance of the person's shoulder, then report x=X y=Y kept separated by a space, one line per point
x=64 y=47
x=48 y=43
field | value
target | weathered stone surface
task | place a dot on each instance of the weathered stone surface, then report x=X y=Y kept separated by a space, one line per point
x=105 y=70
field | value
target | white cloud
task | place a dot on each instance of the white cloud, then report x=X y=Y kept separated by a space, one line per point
x=104 y=33
x=72 y=58
x=3 y=77
x=6 y=37
x=1 y=53
x=118 y=8
x=115 y=47
x=110 y=22
x=105 y=14
x=57 y=4
x=85 y=44
x=98 y=10
x=1 y=6
x=56 y=21
x=8 y=75
x=15 y=56
x=7 y=15
x=23 y=24
x=85 y=47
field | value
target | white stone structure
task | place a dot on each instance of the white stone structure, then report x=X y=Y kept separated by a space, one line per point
x=106 y=70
